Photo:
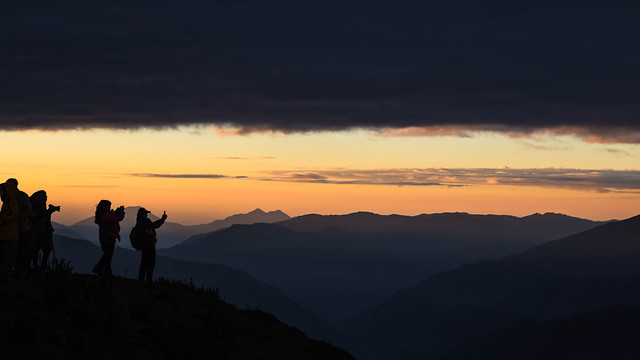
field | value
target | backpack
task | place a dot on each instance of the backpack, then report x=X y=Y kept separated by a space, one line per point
x=136 y=236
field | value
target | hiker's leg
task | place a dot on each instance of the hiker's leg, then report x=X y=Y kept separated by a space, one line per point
x=23 y=250
x=151 y=263
x=108 y=255
x=143 y=265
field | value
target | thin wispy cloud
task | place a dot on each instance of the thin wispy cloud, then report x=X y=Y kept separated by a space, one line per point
x=88 y=186
x=182 y=176
x=618 y=152
x=540 y=147
x=244 y=158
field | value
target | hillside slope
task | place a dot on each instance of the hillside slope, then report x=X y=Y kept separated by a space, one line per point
x=236 y=287
x=60 y=315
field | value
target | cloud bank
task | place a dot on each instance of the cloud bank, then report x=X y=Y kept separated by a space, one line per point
x=418 y=68
x=602 y=181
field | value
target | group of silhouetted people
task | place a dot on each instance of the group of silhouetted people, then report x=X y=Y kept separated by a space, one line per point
x=108 y=222
x=25 y=228
x=26 y=232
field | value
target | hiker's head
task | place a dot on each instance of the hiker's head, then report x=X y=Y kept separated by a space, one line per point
x=142 y=213
x=38 y=200
x=9 y=191
x=103 y=207
x=13 y=181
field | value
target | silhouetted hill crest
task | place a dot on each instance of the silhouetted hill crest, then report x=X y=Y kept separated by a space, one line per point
x=60 y=315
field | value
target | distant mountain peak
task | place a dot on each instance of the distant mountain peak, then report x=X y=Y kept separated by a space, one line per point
x=259 y=215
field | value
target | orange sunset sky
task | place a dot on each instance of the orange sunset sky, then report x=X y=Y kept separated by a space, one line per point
x=202 y=173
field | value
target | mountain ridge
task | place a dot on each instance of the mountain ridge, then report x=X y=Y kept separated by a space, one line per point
x=355 y=261
x=170 y=233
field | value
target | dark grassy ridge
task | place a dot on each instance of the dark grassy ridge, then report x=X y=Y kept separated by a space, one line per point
x=61 y=315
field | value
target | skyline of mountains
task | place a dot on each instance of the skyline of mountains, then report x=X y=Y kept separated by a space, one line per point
x=171 y=233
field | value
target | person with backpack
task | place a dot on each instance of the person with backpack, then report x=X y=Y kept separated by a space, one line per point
x=41 y=228
x=108 y=222
x=24 y=228
x=9 y=233
x=146 y=230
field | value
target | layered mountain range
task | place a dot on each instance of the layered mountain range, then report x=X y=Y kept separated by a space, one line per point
x=342 y=264
x=577 y=273
x=401 y=287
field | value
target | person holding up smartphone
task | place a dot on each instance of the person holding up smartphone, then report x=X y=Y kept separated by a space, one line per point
x=149 y=240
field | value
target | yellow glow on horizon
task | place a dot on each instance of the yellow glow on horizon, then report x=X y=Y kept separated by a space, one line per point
x=78 y=168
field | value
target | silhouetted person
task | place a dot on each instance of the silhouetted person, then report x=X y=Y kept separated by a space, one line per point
x=9 y=234
x=41 y=228
x=108 y=232
x=24 y=228
x=149 y=240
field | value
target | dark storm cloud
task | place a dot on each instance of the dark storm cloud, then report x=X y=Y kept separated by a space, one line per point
x=568 y=67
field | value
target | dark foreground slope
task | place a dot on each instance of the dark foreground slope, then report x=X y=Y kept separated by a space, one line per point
x=235 y=286
x=578 y=273
x=606 y=333
x=60 y=315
